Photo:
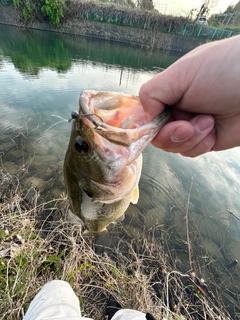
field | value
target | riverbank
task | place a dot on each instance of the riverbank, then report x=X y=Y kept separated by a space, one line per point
x=105 y=31
x=39 y=245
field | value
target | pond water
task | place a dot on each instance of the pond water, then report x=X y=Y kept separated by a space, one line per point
x=41 y=77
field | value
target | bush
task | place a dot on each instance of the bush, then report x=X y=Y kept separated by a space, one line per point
x=25 y=7
x=53 y=10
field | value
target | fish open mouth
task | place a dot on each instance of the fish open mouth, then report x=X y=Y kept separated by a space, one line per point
x=115 y=109
x=119 y=117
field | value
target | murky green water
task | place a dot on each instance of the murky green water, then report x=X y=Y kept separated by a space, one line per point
x=41 y=77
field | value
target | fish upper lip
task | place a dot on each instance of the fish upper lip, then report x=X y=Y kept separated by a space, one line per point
x=84 y=101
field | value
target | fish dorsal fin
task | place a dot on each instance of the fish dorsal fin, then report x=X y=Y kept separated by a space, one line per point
x=135 y=195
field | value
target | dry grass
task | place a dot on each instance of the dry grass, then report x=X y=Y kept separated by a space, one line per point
x=110 y=12
x=38 y=245
x=121 y=15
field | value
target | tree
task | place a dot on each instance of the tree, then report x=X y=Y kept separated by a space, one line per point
x=145 y=4
x=204 y=9
x=126 y=3
x=235 y=21
x=230 y=9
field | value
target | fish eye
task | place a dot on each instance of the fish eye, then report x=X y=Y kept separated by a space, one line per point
x=81 y=145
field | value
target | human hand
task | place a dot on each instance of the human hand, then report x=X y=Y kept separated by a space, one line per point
x=203 y=88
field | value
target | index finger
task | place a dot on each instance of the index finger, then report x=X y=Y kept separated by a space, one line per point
x=164 y=88
x=151 y=105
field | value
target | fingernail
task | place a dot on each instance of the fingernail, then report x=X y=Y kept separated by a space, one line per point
x=203 y=123
x=180 y=134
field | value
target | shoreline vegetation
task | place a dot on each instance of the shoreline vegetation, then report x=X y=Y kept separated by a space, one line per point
x=119 y=20
x=105 y=21
x=38 y=245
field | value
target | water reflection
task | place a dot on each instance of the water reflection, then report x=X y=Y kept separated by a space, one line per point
x=41 y=77
x=32 y=50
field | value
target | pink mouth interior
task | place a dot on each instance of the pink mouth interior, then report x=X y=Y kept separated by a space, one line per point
x=128 y=113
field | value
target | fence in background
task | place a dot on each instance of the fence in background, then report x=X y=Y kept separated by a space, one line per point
x=194 y=30
x=123 y=16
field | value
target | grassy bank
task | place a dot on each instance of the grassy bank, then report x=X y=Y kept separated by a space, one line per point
x=56 y=12
x=66 y=13
x=38 y=245
x=105 y=21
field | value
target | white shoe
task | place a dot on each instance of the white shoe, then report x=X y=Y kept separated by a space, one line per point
x=129 y=314
x=56 y=300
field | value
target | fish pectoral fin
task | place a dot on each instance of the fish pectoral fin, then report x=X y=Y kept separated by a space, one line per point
x=135 y=195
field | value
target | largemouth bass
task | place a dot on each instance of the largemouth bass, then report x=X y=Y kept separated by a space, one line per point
x=103 y=161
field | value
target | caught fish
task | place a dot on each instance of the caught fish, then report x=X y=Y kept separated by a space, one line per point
x=103 y=161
